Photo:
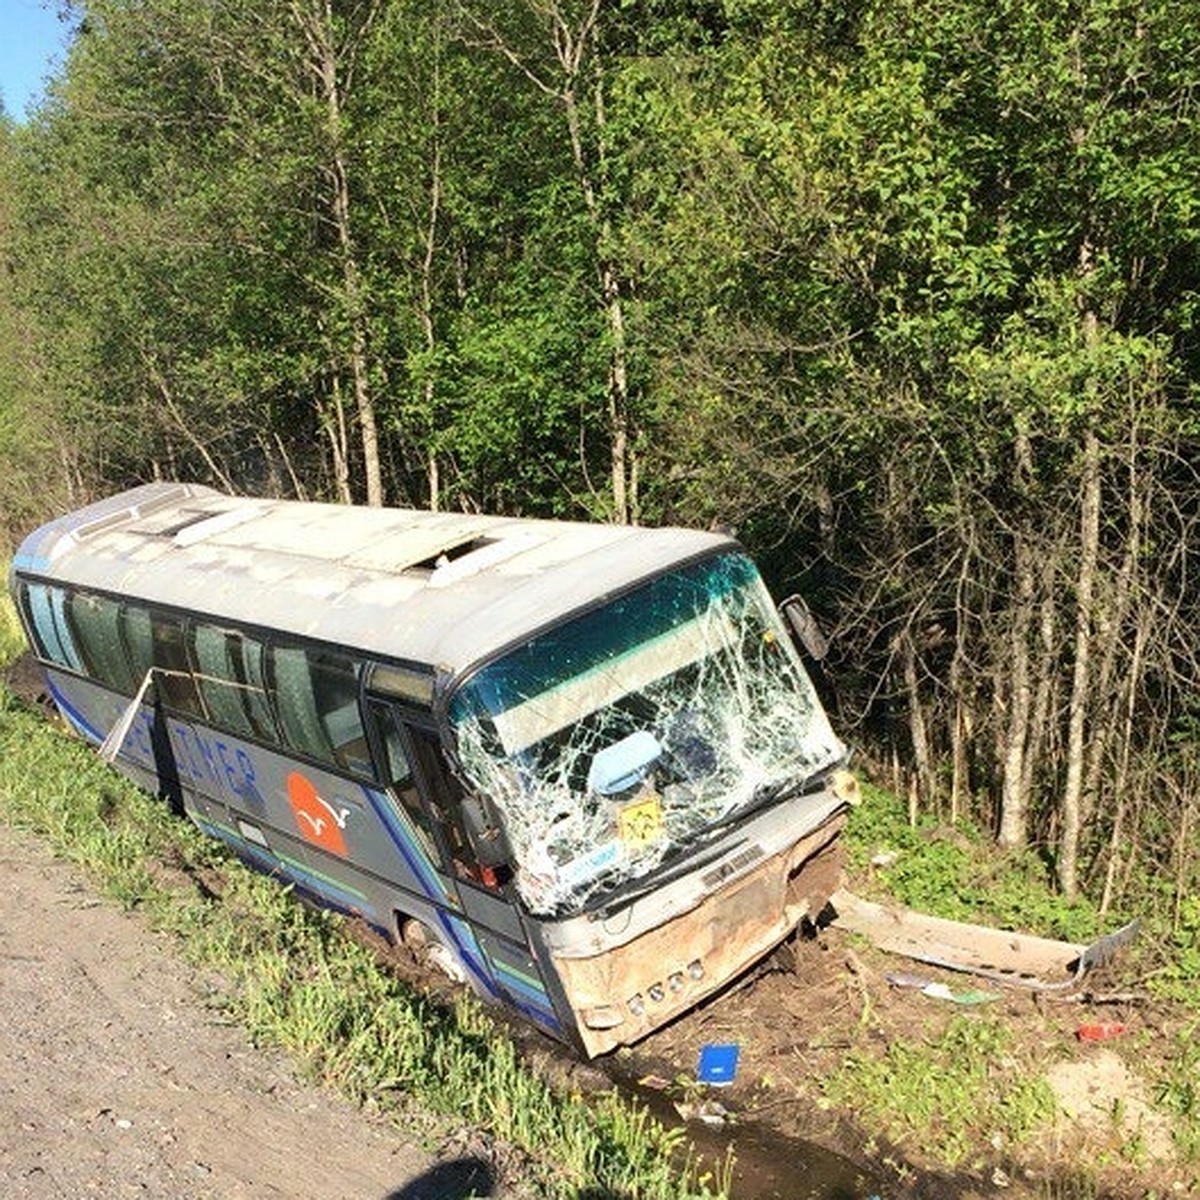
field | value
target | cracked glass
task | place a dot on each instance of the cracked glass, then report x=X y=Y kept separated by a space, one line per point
x=612 y=742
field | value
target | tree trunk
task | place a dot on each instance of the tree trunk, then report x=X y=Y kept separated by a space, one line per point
x=1014 y=793
x=918 y=727
x=428 y=326
x=319 y=31
x=1085 y=585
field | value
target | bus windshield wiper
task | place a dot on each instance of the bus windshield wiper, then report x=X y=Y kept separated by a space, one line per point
x=633 y=889
x=767 y=794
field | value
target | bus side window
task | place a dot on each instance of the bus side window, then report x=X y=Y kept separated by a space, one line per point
x=446 y=796
x=218 y=671
x=176 y=680
x=95 y=621
x=317 y=695
x=158 y=641
x=254 y=676
x=229 y=672
x=399 y=776
x=44 y=607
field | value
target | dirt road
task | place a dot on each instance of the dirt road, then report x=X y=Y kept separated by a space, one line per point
x=117 y=1081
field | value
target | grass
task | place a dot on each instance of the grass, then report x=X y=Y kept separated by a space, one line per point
x=920 y=1091
x=296 y=981
x=938 y=1094
x=12 y=639
x=960 y=874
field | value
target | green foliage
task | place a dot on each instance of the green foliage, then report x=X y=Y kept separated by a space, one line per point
x=1179 y=1091
x=941 y=1094
x=1178 y=978
x=297 y=981
x=12 y=636
x=957 y=873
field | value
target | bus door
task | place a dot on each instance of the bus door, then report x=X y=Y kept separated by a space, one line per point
x=479 y=922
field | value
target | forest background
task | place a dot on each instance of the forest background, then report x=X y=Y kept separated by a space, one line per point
x=904 y=291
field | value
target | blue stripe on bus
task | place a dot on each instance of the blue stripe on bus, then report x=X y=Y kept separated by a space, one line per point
x=430 y=883
x=460 y=936
x=74 y=717
x=265 y=860
x=30 y=562
x=348 y=899
x=458 y=933
x=530 y=989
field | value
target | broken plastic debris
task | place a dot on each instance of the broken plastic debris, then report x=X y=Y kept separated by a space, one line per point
x=657 y=1082
x=711 y=1112
x=905 y=979
x=939 y=991
x=974 y=996
x=1100 y=1031
x=718 y=1064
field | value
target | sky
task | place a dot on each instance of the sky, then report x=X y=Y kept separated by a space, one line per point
x=31 y=38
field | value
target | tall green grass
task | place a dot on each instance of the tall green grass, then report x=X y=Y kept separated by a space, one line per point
x=12 y=639
x=297 y=981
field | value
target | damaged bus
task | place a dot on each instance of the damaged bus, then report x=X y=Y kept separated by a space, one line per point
x=581 y=765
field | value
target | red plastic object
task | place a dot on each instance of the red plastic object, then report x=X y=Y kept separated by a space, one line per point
x=1100 y=1031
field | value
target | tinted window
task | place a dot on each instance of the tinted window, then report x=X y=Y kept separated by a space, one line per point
x=398 y=774
x=316 y=693
x=45 y=610
x=229 y=673
x=95 y=621
x=157 y=642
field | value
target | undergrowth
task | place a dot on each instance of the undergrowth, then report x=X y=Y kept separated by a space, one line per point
x=959 y=873
x=12 y=640
x=295 y=980
x=938 y=1094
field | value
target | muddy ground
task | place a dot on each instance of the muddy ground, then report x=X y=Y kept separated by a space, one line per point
x=796 y=1019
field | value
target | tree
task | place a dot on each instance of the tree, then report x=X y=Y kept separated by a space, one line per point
x=560 y=47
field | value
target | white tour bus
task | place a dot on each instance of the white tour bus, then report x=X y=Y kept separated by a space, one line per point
x=582 y=764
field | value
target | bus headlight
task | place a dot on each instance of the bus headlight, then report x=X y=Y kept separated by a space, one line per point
x=603 y=1016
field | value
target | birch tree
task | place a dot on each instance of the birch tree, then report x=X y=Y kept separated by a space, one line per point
x=559 y=47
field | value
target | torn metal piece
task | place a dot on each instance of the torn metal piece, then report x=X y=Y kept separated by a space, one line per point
x=1017 y=959
x=1102 y=951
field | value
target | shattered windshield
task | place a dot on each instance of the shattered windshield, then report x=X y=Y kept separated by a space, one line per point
x=615 y=739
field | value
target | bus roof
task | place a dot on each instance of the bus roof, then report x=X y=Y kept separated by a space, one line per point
x=447 y=589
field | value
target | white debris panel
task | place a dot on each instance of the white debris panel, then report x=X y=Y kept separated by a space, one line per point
x=623 y=735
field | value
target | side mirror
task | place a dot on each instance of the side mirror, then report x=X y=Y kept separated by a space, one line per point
x=804 y=625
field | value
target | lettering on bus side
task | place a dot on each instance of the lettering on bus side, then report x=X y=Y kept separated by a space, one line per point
x=226 y=769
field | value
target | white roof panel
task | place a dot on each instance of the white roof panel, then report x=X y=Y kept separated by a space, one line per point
x=442 y=588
